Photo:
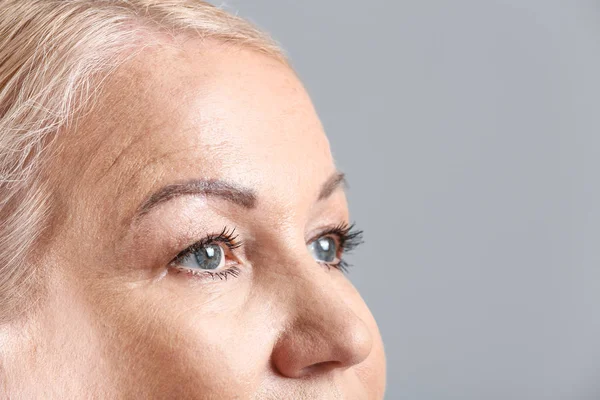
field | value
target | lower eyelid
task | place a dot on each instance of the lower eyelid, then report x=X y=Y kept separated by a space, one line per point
x=206 y=275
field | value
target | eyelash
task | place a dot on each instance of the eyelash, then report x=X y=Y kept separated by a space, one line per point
x=346 y=235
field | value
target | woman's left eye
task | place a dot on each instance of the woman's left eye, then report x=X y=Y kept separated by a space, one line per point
x=330 y=245
x=324 y=249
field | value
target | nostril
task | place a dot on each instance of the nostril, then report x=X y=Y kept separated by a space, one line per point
x=320 y=368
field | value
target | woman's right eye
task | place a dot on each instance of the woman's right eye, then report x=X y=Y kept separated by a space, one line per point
x=207 y=257
x=212 y=256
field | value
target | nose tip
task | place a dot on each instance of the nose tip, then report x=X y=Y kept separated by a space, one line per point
x=334 y=344
x=360 y=343
x=351 y=348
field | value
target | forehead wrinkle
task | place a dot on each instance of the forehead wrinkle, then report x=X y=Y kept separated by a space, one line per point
x=134 y=138
x=156 y=160
x=184 y=139
x=132 y=108
x=120 y=156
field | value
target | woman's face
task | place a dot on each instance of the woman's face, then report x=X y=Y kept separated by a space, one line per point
x=220 y=148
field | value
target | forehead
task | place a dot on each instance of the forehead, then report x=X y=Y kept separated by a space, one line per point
x=201 y=110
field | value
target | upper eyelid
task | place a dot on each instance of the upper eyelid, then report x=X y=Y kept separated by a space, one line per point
x=331 y=229
x=218 y=238
x=339 y=236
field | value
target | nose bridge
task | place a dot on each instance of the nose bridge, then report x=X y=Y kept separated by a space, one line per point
x=323 y=332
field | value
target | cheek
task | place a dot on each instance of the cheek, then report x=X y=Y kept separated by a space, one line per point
x=184 y=346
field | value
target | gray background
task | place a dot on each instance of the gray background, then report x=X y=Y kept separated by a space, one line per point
x=469 y=131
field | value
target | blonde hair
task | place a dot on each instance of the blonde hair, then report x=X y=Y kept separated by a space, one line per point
x=54 y=55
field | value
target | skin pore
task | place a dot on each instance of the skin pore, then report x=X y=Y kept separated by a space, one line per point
x=194 y=126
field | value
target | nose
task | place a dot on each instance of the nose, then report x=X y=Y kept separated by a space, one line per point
x=324 y=333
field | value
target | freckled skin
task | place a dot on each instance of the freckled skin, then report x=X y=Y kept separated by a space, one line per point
x=117 y=322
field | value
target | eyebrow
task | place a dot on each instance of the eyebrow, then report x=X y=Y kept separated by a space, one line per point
x=338 y=179
x=233 y=193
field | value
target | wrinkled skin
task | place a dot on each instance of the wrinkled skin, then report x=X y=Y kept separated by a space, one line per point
x=118 y=320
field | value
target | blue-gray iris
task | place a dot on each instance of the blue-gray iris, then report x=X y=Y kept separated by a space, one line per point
x=324 y=249
x=209 y=256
